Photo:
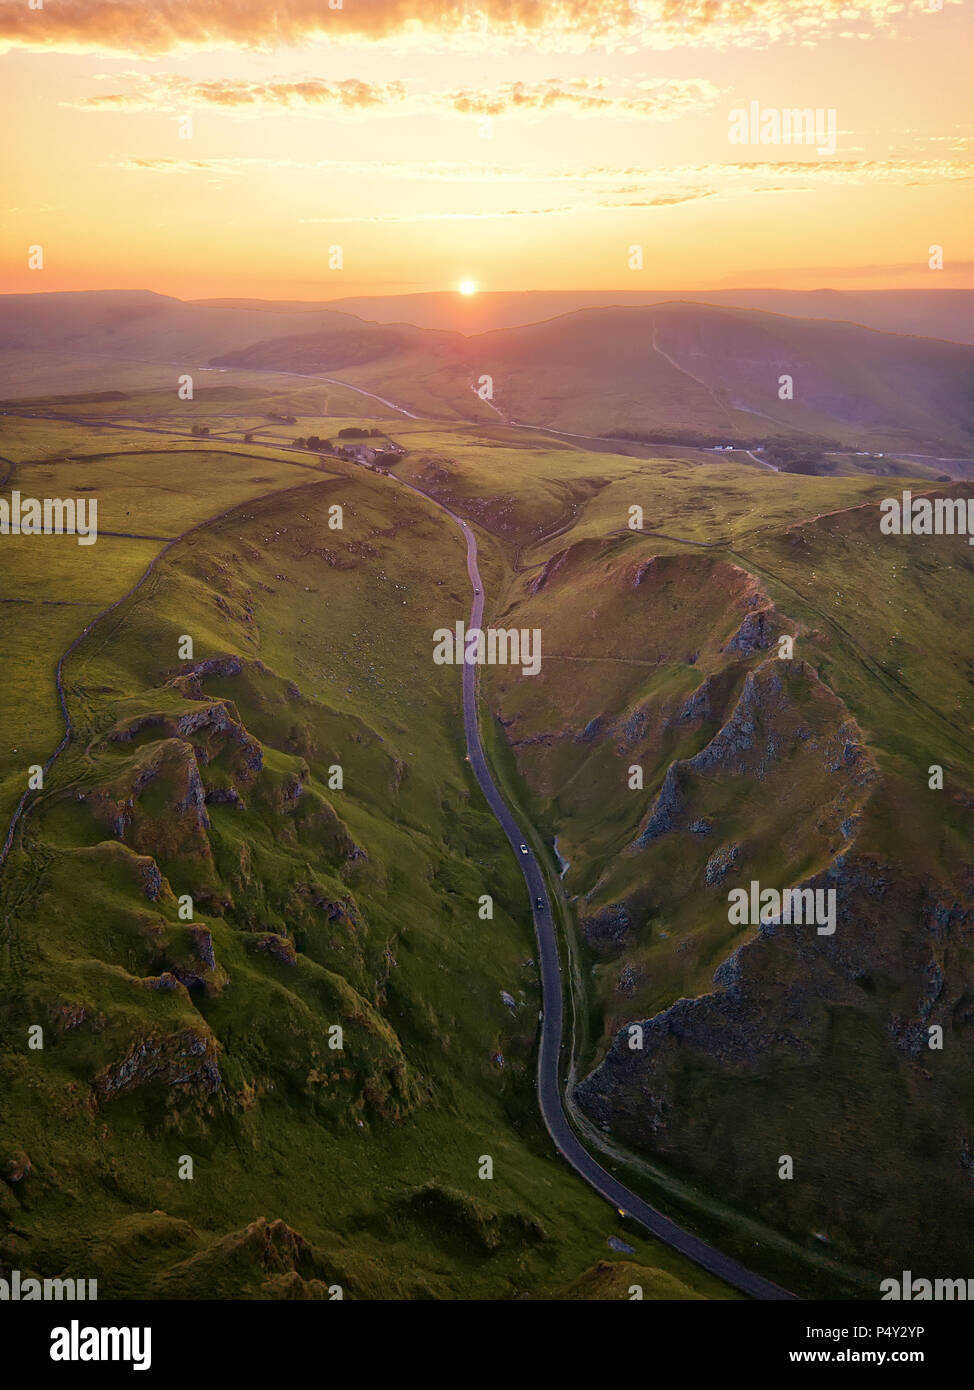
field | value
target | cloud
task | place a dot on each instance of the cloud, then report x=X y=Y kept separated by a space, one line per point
x=904 y=172
x=564 y=210
x=622 y=180
x=160 y=92
x=181 y=166
x=655 y=100
x=648 y=99
x=163 y=26
x=579 y=190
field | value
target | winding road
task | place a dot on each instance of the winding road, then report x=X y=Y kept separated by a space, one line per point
x=552 y=1024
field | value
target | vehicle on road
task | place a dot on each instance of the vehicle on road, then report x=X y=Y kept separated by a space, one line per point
x=539 y=902
x=476 y=591
x=524 y=849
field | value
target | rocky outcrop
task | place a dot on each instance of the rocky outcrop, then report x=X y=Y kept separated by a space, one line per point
x=186 y=1059
x=267 y=1259
x=278 y=947
x=184 y=955
x=765 y=728
x=547 y=572
x=141 y=870
x=606 y=930
x=780 y=1003
x=15 y=1166
x=756 y=633
x=158 y=806
x=720 y=862
x=667 y=808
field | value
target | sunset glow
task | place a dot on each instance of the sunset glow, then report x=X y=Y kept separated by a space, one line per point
x=215 y=150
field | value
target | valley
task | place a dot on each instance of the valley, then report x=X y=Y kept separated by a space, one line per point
x=143 y=809
x=212 y=778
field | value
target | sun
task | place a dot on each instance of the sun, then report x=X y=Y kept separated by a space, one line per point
x=468 y=287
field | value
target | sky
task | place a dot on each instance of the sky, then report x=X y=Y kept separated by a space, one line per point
x=310 y=150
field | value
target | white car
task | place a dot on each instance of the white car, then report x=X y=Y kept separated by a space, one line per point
x=524 y=849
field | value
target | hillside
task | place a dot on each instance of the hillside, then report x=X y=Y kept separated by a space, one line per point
x=947 y=314
x=193 y=905
x=674 y=367
x=316 y=904
x=807 y=771
x=679 y=371
x=687 y=367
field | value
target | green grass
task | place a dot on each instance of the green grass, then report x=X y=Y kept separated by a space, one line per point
x=52 y=586
x=373 y=1162
x=881 y=624
x=332 y=1144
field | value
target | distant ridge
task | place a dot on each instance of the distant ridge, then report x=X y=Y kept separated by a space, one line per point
x=947 y=314
x=676 y=371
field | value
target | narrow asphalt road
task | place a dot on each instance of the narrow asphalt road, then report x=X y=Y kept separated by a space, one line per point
x=552 y=1027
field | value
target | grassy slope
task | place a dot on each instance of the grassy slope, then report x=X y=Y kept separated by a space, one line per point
x=882 y=623
x=49 y=583
x=346 y=1160
x=828 y=575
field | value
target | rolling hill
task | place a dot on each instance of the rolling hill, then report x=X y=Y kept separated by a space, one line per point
x=945 y=314
x=708 y=372
x=768 y=1040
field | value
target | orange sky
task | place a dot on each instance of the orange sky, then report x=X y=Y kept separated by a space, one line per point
x=526 y=144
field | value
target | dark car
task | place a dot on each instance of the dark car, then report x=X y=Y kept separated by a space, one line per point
x=539 y=902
